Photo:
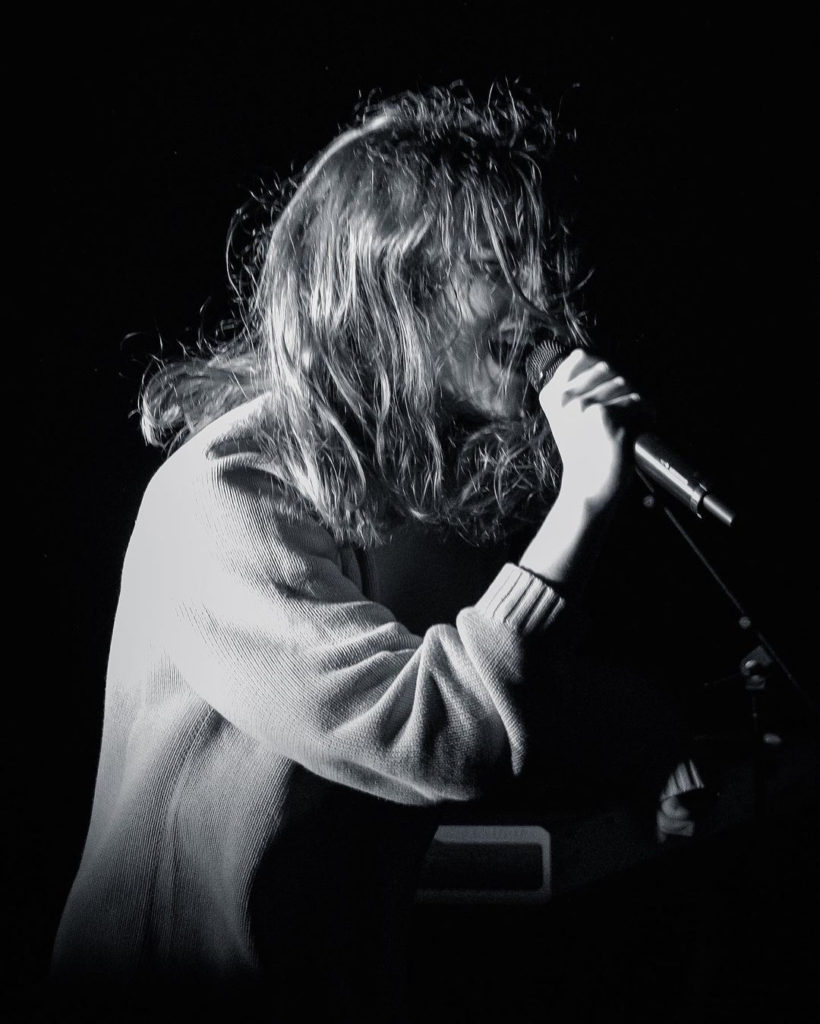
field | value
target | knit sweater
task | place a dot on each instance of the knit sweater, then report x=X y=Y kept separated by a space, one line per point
x=275 y=744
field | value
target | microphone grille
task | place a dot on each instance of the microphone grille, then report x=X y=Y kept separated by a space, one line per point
x=543 y=361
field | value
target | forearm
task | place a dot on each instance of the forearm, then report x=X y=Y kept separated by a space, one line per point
x=586 y=404
x=564 y=550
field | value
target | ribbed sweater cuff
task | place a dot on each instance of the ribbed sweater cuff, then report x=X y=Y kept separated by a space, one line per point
x=520 y=600
x=684 y=779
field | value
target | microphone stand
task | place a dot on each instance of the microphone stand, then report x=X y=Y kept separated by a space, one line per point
x=756 y=668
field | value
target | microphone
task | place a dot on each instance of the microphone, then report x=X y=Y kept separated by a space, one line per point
x=653 y=457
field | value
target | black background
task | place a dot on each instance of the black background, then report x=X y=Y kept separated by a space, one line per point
x=141 y=134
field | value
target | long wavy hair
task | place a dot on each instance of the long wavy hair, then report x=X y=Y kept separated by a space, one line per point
x=341 y=323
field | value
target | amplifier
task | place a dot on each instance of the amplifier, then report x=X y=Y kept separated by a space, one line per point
x=487 y=864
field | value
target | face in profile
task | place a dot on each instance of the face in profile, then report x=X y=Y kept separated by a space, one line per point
x=483 y=359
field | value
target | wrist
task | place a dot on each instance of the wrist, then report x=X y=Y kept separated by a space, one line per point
x=590 y=505
x=579 y=513
x=564 y=549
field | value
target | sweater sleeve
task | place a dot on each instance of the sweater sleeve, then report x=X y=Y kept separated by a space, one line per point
x=262 y=623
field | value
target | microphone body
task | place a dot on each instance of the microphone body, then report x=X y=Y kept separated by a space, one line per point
x=653 y=457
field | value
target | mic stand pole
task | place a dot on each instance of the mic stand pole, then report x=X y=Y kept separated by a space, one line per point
x=755 y=667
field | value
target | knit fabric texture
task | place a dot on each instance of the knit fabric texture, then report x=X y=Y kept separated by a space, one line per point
x=275 y=744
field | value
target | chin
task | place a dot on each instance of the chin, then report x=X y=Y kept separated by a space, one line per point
x=509 y=401
x=489 y=401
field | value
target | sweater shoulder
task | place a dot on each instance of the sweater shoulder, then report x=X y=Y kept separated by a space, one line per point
x=220 y=494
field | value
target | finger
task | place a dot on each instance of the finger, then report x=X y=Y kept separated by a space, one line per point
x=577 y=361
x=626 y=411
x=625 y=401
x=586 y=380
x=606 y=391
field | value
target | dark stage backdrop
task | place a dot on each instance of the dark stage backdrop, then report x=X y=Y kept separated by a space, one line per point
x=693 y=194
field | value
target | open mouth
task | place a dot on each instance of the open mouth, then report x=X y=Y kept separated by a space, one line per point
x=506 y=354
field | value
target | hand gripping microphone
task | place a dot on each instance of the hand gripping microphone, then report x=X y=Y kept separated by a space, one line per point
x=653 y=457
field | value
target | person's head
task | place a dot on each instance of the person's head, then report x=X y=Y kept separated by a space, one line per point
x=392 y=301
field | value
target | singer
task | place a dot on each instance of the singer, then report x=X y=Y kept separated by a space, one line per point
x=276 y=746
